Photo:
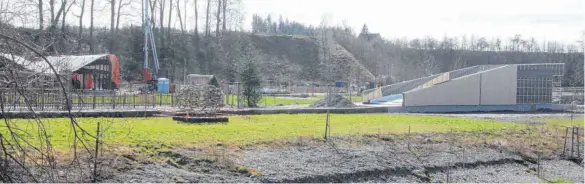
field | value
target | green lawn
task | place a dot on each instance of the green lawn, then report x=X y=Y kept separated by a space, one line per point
x=274 y=101
x=243 y=130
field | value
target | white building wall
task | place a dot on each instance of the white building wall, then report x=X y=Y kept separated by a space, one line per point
x=461 y=91
x=498 y=86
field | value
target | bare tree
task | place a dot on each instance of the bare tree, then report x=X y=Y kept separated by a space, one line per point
x=91 y=39
x=63 y=24
x=224 y=5
x=55 y=18
x=196 y=31
x=79 y=35
x=112 y=23
x=41 y=24
x=218 y=20
x=162 y=27
x=52 y=9
x=207 y=13
x=121 y=4
x=41 y=19
x=152 y=7
x=170 y=16
x=180 y=17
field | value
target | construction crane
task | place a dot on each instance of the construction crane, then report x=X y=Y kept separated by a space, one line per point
x=148 y=76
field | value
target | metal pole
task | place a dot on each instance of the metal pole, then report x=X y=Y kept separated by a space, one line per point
x=114 y=100
x=93 y=106
x=134 y=100
x=328 y=111
x=42 y=100
x=239 y=95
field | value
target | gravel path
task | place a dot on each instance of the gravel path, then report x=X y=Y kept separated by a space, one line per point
x=506 y=173
x=370 y=160
x=395 y=163
x=570 y=171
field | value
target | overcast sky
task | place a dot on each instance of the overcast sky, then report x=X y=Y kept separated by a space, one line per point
x=560 y=20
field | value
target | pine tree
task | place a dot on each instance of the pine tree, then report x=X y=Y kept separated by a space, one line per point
x=251 y=84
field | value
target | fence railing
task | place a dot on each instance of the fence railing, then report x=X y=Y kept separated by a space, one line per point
x=50 y=101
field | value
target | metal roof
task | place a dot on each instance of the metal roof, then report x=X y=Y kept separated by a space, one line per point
x=61 y=63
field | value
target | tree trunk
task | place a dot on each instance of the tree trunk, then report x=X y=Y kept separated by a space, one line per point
x=41 y=26
x=196 y=41
x=91 y=44
x=79 y=36
x=207 y=19
x=218 y=21
x=170 y=16
x=52 y=9
x=152 y=6
x=53 y=28
x=64 y=25
x=196 y=29
x=162 y=27
x=118 y=16
x=224 y=4
x=180 y=18
x=112 y=22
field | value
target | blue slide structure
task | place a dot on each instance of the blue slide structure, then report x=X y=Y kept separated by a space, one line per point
x=385 y=99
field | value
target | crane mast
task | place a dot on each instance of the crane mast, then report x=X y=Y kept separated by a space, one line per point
x=148 y=35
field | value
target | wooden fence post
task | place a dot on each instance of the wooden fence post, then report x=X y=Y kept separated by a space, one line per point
x=134 y=100
x=572 y=139
x=565 y=141
x=114 y=100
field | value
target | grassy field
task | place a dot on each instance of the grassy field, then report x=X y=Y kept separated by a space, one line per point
x=273 y=101
x=244 y=130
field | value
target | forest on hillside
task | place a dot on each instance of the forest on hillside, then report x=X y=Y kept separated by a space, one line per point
x=306 y=53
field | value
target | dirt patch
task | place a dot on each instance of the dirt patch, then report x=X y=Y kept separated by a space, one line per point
x=335 y=100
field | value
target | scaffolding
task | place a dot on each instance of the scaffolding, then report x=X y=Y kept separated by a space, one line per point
x=539 y=83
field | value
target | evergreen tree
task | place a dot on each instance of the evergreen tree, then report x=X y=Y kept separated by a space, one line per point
x=251 y=84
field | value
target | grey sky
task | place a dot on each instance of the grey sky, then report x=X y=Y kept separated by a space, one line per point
x=560 y=20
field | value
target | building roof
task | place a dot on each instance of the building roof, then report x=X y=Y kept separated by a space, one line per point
x=61 y=63
x=198 y=79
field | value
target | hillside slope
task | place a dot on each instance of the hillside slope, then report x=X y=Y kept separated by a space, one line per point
x=302 y=52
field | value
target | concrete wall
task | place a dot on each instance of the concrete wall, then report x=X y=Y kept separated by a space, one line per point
x=498 y=86
x=461 y=91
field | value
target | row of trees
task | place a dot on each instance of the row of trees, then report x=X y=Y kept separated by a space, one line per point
x=59 y=36
x=389 y=58
x=282 y=26
x=214 y=46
